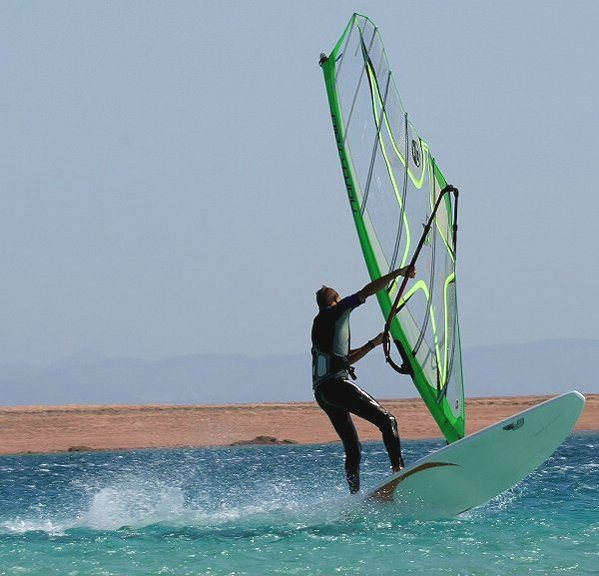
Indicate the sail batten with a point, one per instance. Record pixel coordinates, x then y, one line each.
404 211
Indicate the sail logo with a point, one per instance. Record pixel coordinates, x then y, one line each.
345 168
416 155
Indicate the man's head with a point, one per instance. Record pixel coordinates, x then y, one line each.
327 296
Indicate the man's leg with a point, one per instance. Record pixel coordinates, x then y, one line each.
344 426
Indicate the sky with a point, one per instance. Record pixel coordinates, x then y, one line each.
170 183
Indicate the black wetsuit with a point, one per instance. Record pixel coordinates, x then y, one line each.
338 396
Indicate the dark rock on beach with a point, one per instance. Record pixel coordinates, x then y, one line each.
262 441
80 449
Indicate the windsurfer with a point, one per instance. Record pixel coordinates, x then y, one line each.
332 375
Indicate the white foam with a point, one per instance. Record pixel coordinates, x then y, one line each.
131 504
136 500
22 526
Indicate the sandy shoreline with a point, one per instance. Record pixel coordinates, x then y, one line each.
45 429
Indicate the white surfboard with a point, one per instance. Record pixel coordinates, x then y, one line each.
476 468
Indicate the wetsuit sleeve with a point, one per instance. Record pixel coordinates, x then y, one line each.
350 302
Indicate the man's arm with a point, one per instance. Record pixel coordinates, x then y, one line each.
377 285
359 353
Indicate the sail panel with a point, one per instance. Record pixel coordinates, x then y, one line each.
393 184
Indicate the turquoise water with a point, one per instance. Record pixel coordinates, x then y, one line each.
281 510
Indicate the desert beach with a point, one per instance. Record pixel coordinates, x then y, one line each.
44 429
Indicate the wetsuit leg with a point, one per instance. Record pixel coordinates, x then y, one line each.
344 426
345 394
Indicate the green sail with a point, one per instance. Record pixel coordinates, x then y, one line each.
393 184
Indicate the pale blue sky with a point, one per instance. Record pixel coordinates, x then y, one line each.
170 183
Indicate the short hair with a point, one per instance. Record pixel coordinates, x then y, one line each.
322 296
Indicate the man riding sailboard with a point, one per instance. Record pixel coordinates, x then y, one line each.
332 374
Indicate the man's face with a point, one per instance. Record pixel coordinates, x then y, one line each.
333 297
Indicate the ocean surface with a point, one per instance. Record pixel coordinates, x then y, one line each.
282 510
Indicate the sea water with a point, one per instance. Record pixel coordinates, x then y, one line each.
282 510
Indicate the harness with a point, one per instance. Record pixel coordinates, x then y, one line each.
329 366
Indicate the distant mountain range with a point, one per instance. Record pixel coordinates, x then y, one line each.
544 367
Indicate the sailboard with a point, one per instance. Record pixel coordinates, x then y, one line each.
475 469
406 214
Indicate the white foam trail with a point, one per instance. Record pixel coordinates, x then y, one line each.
139 500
